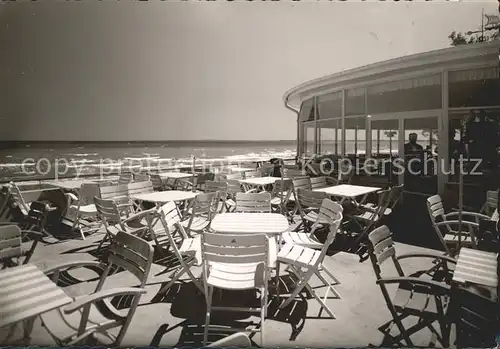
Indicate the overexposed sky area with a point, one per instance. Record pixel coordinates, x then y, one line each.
155 70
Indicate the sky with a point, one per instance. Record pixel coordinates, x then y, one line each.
123 71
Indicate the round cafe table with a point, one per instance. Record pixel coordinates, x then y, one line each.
271 224
250 223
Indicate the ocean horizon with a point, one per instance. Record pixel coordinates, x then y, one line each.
44 158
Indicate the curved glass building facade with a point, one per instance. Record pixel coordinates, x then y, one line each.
449 98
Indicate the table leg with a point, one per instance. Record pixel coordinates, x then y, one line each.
28 327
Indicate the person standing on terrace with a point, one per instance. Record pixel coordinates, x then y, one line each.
413 150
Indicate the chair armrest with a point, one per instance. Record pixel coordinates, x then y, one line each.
72 196
467 213
254 190
94 297
35 235
415 281
464 222
72 264
9 223
140 215
428 255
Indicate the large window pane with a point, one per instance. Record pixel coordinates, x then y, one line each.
329 136
330 105
355 102
355 135
385 135
405 95
307 110
308 139
474 87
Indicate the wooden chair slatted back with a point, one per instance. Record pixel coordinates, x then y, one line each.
235 249
87 192
435 208
157 181
125 178
318 182
252 174
141 178
135 188
253 202
10 241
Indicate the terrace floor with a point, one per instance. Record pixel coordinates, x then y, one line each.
176 319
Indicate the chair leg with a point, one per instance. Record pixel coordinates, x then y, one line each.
207 316
329 273
263 313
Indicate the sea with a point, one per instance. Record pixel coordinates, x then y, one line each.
47 160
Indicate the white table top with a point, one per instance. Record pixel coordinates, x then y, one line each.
175 174
25 292
347 190
477 267
165 196
260 180
251 223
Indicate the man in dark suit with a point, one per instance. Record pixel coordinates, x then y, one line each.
414 152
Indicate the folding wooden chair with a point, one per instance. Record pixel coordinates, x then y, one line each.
447 228
221 187
83 207
367 219
136 188
114 221
142 177
322 182
12 246
394 196
170 223
92 318
308 204
491 203
157 182
253 202
252 174
125 178
424 299
305 262
203 210
235 262
233 187
280 197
